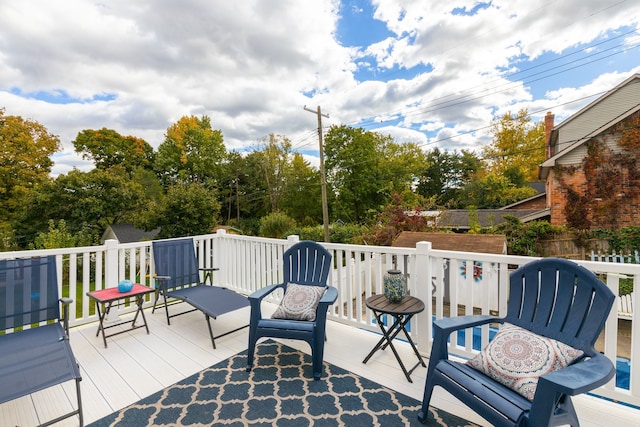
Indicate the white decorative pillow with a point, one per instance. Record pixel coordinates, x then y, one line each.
517 358
299 302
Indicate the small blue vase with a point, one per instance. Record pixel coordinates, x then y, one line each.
395 285
125 286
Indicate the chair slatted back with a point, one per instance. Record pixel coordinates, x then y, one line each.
176 259
307 263
28 291
559 299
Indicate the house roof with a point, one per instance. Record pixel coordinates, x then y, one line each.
608 116
127 233
515 205
459 218
483 243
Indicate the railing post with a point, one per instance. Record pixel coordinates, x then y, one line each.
424 292
292 240
111 272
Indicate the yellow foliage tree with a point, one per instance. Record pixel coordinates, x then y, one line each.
518 147
25 150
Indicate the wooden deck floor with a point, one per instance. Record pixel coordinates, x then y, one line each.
136 364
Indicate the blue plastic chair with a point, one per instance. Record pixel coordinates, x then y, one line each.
551 297
305 263
34 350
178 278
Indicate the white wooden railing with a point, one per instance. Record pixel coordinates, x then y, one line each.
473 282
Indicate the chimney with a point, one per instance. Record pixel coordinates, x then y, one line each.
548 126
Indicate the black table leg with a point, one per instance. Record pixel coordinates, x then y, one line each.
389 334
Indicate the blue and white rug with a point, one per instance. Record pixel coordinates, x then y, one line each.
279 391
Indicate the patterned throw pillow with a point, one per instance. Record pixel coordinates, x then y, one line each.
517 358
299 302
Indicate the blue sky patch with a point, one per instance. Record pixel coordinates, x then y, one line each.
576 66
358 28
60 96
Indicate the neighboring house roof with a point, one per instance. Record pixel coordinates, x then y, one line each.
459 218
524 202
611 108
127 233
483 243
539 186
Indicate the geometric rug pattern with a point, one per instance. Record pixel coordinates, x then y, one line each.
279 391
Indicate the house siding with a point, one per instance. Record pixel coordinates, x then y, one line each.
627 201
600 116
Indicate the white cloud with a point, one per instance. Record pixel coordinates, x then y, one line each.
252 65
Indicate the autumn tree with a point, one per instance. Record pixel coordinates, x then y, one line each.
25 161
191 152
106 148
518 145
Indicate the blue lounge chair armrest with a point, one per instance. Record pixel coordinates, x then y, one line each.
579 378
208 274
162 281
65 314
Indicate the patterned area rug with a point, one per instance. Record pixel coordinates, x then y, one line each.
279 391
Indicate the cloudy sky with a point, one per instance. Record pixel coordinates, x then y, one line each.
431 72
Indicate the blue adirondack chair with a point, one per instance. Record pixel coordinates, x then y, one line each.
553 298
305 263
178 278
38 356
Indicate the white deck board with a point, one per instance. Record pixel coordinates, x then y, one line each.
136 364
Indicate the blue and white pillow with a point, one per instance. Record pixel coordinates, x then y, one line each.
299 302
517 357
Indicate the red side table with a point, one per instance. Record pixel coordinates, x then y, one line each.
106 298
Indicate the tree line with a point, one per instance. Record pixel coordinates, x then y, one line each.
192 183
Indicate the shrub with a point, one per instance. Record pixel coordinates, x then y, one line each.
276 224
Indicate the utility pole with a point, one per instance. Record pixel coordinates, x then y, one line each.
323 179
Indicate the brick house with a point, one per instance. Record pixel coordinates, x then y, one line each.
592 171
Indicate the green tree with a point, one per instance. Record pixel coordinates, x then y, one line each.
189 209
25 161
59 236
517 144
402 164
254 194
191 152
93 199
273 156
302 198
107 148
446 173
492 191
364 168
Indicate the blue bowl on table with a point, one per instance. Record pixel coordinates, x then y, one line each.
125 286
